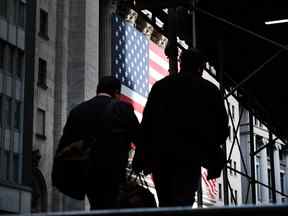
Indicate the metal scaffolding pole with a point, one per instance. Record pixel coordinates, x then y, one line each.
172 41
272 168
252 158
220 80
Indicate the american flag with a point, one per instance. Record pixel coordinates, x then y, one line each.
211 185
138 63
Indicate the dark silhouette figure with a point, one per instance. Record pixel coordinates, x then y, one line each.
114 126
184 123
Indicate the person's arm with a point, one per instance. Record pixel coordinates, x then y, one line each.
69 131
143 146
222 131
222 120
133 124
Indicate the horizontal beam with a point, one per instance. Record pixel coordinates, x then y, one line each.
269 210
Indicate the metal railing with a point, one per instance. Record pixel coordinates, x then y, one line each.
268 210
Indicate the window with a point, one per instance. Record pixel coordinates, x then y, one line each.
220 191
281 155
233 111
230 165
282 182
235 168
7 112
229 132
17 115
231 196
258 186
16 168
42 73
236 197
40 130
20 64
269 183
1 54
3 8
43 28
11 60
22 14
255 121
268 152
11 11
1 110
6 164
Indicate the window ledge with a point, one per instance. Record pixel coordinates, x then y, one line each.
43 36
41 136
42 85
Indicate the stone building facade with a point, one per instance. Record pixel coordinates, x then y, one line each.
15 192
66 73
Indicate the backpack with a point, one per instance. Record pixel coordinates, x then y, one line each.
71 168
72 164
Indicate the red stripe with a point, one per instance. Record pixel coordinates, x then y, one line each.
158 50
152 80
158 67
211 184
138 107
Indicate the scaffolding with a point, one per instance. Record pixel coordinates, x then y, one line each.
168 18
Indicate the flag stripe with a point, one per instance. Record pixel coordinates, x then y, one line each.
159 60
157 67
210 184
159 51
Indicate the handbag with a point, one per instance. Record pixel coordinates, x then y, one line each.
71 165
71 168
135 193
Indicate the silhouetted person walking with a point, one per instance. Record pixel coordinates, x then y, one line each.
114 126
183 122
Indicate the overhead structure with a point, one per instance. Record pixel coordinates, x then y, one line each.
250 51
247 44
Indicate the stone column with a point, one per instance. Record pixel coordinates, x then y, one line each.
76 49
105 55
277 173
60 100
264 176
91 48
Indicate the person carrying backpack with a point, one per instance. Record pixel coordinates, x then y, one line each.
100 129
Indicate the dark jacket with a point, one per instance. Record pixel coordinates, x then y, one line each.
114 126
89 119
183 118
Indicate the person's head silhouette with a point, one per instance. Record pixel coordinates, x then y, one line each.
109 85
192 61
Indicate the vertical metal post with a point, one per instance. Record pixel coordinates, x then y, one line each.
30 32
220 78
252 159
172 41
194 43
194 39
271 152
200 193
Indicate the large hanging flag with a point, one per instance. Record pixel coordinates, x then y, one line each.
211 185
137 62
